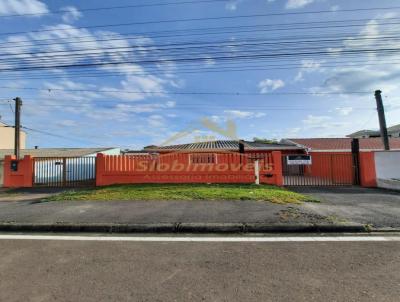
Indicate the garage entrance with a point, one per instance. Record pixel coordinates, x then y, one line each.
320 169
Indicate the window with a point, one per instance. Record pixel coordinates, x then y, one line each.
203 158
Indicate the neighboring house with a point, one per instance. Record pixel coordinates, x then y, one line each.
205 152
135 152
341 144
61 152
393 131
7 137
224 146
51 168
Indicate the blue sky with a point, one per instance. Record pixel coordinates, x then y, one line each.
138 103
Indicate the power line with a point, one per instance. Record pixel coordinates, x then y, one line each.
59 136
115 7
203 31
197 106
185 54
185 46
265 109
185 92
205 58
192 71
208 19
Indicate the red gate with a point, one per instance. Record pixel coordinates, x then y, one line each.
325 169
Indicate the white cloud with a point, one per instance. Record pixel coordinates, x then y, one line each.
146 86
232 4
308 66
243 114
209 61
141 108
322 125
156 121
335 8
10 7
375 72
67 123
292 132
344 110
71 14
293 4
316 120
269 85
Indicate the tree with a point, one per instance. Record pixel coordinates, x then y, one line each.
265 140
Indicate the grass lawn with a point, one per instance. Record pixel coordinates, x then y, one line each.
185 192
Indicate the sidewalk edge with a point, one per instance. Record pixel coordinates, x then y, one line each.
188 228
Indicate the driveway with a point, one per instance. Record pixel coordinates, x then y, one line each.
28 194
376 207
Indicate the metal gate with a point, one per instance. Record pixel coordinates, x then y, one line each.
64 171
323 170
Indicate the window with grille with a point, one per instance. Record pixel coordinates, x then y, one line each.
203 158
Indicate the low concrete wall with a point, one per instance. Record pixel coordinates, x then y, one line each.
387 165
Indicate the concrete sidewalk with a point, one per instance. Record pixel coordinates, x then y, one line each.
146 212
339 207
376 207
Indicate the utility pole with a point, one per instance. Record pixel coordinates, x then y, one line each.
17 128
382 119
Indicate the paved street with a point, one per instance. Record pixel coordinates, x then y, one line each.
65 270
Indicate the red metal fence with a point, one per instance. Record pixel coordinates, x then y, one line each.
326 169
187 168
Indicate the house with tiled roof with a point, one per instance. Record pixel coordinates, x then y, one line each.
224 146
341 144
393 131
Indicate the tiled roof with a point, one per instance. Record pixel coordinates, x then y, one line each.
54 152
344 144
222 145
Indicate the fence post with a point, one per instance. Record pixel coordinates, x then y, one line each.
100 168
277 164
367 170
257 172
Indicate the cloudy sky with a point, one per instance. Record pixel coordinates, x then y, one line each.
133 73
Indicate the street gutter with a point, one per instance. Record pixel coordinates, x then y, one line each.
164 228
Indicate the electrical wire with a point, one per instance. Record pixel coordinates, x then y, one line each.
203 31
208 19
63 11
185 92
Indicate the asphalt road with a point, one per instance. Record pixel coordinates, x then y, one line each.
42 270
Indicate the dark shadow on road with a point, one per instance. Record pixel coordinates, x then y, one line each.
343 190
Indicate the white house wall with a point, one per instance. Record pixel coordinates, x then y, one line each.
387 167
114 151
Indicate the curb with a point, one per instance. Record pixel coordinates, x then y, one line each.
187 228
